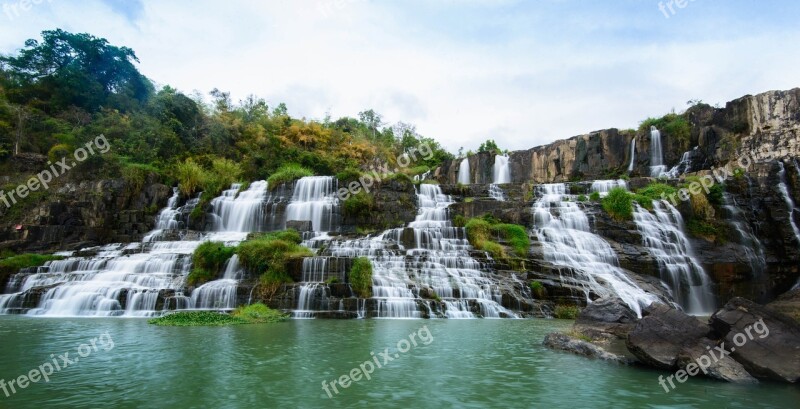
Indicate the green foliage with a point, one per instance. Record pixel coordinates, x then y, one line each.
459 220
348 175
361 277
516 236
288 173
136 174
259 313
481 232
701 228
538 290
190 177
594 196
252 314
657 191
13 263
269 254
581 198
671 124
619 204
196 319
358 205
59 151
489 146
207 262
643 201
566 312
715 194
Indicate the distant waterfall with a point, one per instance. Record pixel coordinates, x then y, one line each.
657 166
315 200
463 172
633 155
567 241
219 294
662 233
501 174
783 187
602 187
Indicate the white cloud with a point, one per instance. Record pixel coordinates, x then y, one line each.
484 70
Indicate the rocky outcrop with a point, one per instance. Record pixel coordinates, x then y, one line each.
765 342
84 214
661 335
564 342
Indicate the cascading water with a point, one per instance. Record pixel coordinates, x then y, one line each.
753 249
437 263
315 200
463 172
240 211
564 232
602 187
783 187
501 174
662 233
219 294
633 155
142 279
657 166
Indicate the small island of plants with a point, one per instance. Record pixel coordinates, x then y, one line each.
252 314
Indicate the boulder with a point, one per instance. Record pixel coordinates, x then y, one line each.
788 304
299 225
659 337
704 355
608 315
764 341
564 342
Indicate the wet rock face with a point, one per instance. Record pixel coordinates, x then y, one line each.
609 315
567 343
85 214
767 343
661 335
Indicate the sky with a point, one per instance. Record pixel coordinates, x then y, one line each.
524 73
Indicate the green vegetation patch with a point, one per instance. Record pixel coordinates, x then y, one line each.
672 124
361 277
359 204
207 261
566 312
619 204
252 314
14 263
483 233
268 254
288 173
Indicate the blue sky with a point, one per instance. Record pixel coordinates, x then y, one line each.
524 73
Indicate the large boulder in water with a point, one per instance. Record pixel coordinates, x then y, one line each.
764 341
788 304
660 336
608 314
564 342
713 363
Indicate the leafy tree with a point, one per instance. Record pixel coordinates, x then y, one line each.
489 146
67 69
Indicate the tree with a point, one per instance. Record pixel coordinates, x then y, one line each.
75 69
489 146
372 120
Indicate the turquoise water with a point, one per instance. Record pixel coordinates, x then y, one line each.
465 363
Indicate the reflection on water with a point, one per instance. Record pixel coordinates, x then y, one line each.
483 363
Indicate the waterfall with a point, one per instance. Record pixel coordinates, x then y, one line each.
434 259
219 294
501 174
662 233
604 186
657 166
684 165
463 172
240 211
753 249
633 155
567 241
146 278
783 187
315 200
